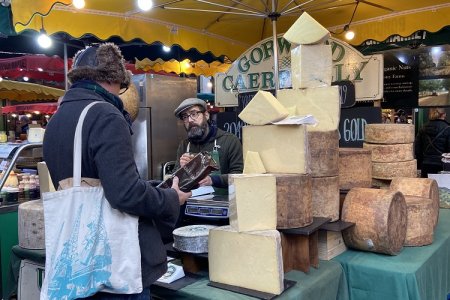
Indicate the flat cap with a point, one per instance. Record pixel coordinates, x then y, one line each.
187 103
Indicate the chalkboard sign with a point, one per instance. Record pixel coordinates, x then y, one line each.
352 124
346 93
229 122
401 80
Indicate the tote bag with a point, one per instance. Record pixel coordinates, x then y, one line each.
89 246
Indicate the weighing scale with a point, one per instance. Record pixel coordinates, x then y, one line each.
208 206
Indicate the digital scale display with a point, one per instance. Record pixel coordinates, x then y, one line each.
207 208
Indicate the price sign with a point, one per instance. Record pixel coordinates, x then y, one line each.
353 122
346 93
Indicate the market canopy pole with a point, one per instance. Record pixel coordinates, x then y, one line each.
274 16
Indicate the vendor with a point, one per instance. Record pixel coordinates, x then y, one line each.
203 135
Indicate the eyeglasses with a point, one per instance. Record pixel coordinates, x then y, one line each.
193 115
123 90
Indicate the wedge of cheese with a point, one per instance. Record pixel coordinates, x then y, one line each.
263 109
323 103
306 30
253 163
251 260
283 149
311 66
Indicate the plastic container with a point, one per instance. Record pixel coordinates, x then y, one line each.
11 195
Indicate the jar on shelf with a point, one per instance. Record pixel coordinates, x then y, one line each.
3 137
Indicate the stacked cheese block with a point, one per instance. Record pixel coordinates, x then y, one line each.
392 151
31 225
248 253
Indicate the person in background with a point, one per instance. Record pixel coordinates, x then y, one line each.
24 122
203 135
432 140
98 74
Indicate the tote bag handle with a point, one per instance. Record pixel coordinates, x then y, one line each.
77 143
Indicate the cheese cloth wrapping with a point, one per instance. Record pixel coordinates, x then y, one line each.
195 170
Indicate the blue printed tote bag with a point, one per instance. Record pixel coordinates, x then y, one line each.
90 246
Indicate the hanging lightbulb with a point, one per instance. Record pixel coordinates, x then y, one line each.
349 34
78 4
44 40
166 48
209 84
26 78
145 5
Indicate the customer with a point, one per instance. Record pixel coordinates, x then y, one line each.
432 140
98 74
203 135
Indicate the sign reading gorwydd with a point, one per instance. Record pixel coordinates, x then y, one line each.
253 71
352 123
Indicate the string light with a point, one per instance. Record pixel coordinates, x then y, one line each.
145 5
166 48
78 4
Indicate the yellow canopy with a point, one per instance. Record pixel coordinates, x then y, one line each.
234 26
23 91
185 66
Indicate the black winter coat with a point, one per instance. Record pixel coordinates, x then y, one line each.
108 155
432 140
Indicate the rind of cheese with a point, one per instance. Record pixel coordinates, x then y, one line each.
390 152
31 225
419 230
251 260
253 202
355 168
253 163
394 169
389 133
283 149
325 197
306 30
263 109
311 66
323 103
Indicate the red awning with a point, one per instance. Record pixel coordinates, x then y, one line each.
45 108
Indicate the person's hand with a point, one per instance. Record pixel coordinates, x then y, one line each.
182 196
205 181
185 158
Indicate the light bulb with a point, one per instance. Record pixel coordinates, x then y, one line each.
1 79
209 84
349 35
166 48
44 40
79 4
145 5
25 78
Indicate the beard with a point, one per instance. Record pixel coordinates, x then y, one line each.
196 133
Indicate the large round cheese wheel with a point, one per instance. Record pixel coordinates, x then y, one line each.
419 231
192 238
324 150
31 225
390 152
355 168
389 133
130 101
325 197
380 218
394 169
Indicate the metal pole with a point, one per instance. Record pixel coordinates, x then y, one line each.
275 46
66 68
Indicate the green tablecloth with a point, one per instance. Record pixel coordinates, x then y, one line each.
416 273
325 283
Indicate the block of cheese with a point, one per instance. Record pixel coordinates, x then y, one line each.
325 197
283 149
389 133
420 187
323 103
253 202
192 238
251 260
419 231
306 30
355 168
294 200
311 66
390 152
31 225
263 109
394 169
253 163
324 149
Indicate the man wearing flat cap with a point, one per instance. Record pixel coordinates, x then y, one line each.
98 74
203 135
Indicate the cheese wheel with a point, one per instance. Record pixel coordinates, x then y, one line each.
394 169
325 197
294 200
419 231
192 238
355 168
31 225
420 187
381 183
324 149
390 152
380 218
389 133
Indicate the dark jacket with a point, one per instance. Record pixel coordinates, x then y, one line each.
432 140
108 155
230 154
